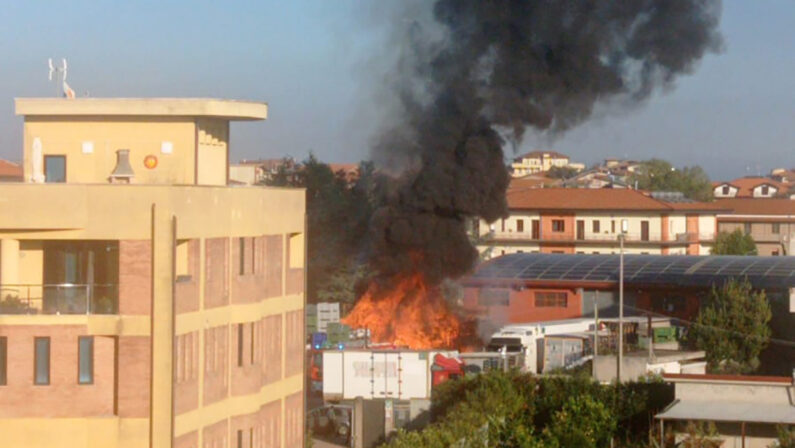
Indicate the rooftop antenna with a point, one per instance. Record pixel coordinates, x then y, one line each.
67 91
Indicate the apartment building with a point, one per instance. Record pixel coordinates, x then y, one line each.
540 161
589 221
770 222
144 301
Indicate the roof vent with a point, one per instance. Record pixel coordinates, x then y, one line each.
123 172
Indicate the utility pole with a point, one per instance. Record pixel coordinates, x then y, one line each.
595 331
620 357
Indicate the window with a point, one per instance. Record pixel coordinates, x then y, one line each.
3 360
765 190
242 256
239 344
494 297
551 300
558 225
54 169
725 190
774 253
747 228
595 226
41 361
239 438
613 226
253 338
520 225
775 227
85 360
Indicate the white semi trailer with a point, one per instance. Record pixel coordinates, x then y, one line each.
395 374
528 340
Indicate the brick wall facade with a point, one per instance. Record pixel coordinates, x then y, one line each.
135 277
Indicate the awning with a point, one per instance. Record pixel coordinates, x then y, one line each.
723 411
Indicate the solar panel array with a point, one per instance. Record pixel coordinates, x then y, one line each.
670 270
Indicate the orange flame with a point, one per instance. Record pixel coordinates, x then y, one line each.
411 314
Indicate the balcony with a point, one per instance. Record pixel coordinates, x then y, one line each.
601 238
59 299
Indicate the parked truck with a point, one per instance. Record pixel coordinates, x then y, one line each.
391 374
531 346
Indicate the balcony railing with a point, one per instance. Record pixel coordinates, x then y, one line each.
65 298
602 237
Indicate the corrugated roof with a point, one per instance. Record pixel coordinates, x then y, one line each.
727 411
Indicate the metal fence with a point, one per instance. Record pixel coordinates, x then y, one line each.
64 298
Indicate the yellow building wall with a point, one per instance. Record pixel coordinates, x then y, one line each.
213 150
142 136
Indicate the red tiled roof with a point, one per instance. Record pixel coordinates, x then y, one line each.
593 199
746 185
10 169
758 206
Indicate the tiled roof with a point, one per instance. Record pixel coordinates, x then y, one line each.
746 185
759 206
593 199
10 170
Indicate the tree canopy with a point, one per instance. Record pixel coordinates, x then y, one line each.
733 328
512 409
660 175
338 215
734 243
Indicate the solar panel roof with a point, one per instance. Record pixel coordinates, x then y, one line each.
670 270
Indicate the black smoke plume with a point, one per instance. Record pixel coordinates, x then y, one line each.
498 68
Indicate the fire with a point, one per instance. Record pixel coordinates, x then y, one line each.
411 313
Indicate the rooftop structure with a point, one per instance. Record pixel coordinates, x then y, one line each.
540 161
750 187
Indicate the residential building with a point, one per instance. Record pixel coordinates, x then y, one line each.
575 220
10 171
770 222
539 161
746 410
144 301
749 187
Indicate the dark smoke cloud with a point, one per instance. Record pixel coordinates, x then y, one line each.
499 68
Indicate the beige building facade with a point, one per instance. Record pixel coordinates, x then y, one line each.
145 302
770 222
589 221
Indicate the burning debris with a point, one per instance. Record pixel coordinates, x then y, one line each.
501 66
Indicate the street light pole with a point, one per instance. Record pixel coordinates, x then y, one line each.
620 359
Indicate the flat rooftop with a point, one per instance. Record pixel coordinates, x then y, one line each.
142 107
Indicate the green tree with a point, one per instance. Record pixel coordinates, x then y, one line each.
660 175
734 243
733 328
582 422
786 437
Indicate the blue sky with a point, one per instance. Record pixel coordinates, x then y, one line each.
319 64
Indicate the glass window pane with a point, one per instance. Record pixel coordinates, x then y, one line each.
85 360
42 361
55 168
3 360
